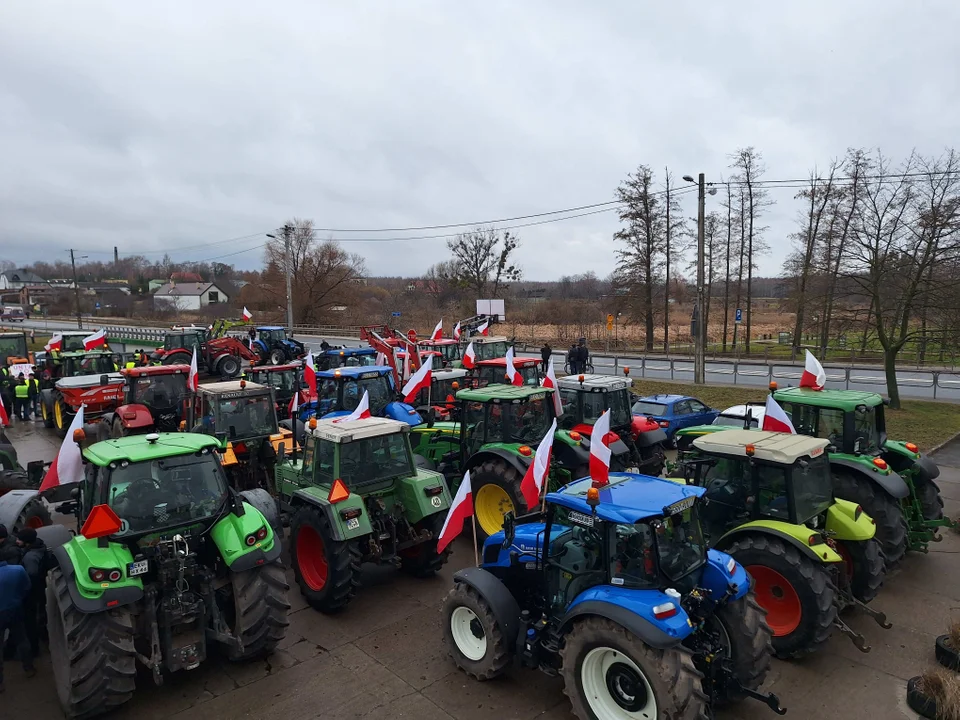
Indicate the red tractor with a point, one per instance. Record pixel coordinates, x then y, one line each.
154 400
98 394
221 356
494 372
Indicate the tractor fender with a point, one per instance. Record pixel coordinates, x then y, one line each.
403 412
12 504
648 438
317 497
512 459
54 536
295 426
796 535
134 416
570 454
901 459
502 603
626 618
264 502
110 597
844 523
230 533
891 483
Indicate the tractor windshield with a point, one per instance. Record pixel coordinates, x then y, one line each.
366 360
184 341
246 417
162 392
378 392
812 487
71 343
13 346
526 421
448 351
375 460
596 403
491 350
278 335
633 556
89 365
441 390
150 496
866 429
680 545
282 380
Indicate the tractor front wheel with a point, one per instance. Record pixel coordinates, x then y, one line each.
93 658
46 413
747 640
61 416
885 511
928 493
423 560
610 673
862 569
228 366
257 611
796 593
327 570
474 638
496 491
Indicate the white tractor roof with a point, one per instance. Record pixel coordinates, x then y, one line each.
775 447
449 374
230 386
483 339
350 430
592 382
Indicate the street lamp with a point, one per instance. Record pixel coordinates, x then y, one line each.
286 267
699 340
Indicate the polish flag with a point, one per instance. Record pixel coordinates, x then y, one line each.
420 380
599 452
98 339
482 329
536 476
461 509
406 365
67 466
438 331
381 359
56 342
513 376
813 375
4 418
247 315
193 379
550 381
469 357
294 404
775 419
362 411
310 375
456 331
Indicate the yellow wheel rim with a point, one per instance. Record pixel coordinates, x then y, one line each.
58 414
490 505
43 411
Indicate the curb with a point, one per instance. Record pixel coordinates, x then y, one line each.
938 448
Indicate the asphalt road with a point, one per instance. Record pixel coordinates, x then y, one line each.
384 658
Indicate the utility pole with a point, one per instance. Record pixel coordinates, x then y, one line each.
76 289
288 267
700 336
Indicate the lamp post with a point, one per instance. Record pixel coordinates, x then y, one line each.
699 340
76 287
287 271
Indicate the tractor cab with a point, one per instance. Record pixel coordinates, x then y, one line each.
494 372
72 340
182 339
337 357
340 391
155 399
54 366
275 347
490 348
13 348
447 349
284 379
442 396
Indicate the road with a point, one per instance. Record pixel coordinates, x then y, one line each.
383 658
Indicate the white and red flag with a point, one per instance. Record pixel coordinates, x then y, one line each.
361 412
482 329
513 376
550 381
310 375
193 379
775 419
813 375
469 357
294 405
460 510
56 343
536 476
599 452
456 331
438 331
419 381
247 315
4 417
67 466
381 358
97 339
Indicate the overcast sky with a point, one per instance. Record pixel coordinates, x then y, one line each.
183 124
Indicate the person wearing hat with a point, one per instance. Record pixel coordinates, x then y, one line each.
8 547
15 588
34 561
21 398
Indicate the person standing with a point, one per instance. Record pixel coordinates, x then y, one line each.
21 398
545 352
33 392
34 561
14 590
33 336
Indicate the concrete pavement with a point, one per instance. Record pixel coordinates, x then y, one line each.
383 657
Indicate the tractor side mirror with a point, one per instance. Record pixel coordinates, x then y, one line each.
509 529
104 380
281 453
431 417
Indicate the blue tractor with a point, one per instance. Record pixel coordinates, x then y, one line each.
335 357
340 391
275 348
624 600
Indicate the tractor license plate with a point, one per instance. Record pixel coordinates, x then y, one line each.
353 524
138 568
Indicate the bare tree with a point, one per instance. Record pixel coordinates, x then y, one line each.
483 260
675 228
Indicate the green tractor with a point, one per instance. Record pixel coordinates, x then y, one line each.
355 495
168 560
891 479
769 503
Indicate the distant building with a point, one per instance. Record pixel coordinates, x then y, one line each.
18 278
189 295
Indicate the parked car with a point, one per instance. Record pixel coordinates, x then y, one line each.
673 412
12 313
736 416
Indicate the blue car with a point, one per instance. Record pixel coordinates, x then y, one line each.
674 412
340 391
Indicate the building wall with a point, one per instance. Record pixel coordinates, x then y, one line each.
219 294
184 302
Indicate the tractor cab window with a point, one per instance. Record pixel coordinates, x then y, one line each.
618 401
377 388
325 453
526 421
282 381
185 341
576 558
159 391
728 483
491 350
374 460
450 351
594 405
278 335
772 491
14 347
150 496
474 424
71 343
364 360
830 425
812 487
570 399
92 365
866 429
246 416
680 545
530 375
633 561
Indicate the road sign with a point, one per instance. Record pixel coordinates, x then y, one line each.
609 322
395 314
739 318
97 306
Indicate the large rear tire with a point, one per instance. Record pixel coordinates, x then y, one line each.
496 491
609 673
62 416
796 593
258 614
327 570
474 638
748 640
46 413
423 560
13 480
886 512
228 366
34 515
278 356
863 568
177 358
92 654
928 493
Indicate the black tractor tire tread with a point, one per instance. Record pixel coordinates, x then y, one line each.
260 595
46 414
427 562
886 512
343 562
815 580
64 413
178 358
751 637
868 569
98 653
501 473
655 463
222 360
671 673
928 493
498 658
13 480
34 508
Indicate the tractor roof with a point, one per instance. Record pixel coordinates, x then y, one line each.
628 498
148 370
502 362
448 374
783 448
137 448
85 353
846 400
593 383
348 351
356 372
483 339
270 327
15 333
441 341
231 386
350 430
71 333
501 393
277 368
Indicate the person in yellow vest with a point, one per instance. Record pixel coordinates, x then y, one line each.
21 398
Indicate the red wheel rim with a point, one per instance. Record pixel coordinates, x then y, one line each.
776 595
311 559
34 522
847 561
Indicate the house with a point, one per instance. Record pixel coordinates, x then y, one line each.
189 295
18 278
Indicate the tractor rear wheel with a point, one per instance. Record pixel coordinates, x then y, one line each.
13 480
496 491
885 511
34 515
61 416
278 356
118 430
228 366
747 638
928 492
177 358
610 673
257 610
423 560
327 570
862 572
47 414
474 638
796 593
93 658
